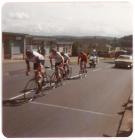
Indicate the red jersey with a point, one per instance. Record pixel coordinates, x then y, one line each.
82 57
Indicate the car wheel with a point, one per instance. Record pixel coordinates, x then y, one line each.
130 67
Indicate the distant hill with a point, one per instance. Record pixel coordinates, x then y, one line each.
90 41
76 38
129 37
126 41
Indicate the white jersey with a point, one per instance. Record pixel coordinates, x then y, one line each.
36 56
58 57
66 57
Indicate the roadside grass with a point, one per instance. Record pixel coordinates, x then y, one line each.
73 60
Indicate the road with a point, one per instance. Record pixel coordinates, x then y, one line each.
88 107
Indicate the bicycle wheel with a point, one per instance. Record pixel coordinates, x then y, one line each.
47 81
82 72
31 87
69 73
54 80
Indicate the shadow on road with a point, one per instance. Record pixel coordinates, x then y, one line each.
20 101
121 134
124 133
15 102
23 99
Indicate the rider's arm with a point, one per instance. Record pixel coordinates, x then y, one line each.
86 58
62 58
28 66
78 59
50 57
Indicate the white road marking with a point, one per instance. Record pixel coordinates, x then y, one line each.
75 109
26 93
20 95
75 76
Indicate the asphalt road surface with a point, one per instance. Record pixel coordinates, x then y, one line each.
88 107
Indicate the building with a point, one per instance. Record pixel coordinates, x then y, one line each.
65 47
35 43
15 45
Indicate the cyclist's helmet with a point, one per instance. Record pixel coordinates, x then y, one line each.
53 50
29 52
81 53
94 50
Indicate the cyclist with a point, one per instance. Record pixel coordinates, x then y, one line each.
95 55
82 60
66 61
38 65
94 52
59 61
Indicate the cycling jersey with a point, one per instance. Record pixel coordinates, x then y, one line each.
66 57
37 60
82 57
36 57
58 57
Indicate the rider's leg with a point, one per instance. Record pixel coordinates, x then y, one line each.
85 67
57 70
62 71
67 65
81 67
40 76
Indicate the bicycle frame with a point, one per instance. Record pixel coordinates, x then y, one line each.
57 76
37 82
83 69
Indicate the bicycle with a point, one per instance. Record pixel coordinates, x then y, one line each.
67 72
57 76
36 84
83 70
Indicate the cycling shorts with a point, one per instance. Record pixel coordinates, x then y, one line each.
37 65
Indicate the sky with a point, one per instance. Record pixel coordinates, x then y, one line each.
73 18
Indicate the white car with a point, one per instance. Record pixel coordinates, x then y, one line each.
124 61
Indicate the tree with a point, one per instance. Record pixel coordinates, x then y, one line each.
76 48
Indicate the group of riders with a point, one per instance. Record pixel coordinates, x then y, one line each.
62 61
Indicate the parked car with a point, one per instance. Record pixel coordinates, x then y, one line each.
121 52
124 61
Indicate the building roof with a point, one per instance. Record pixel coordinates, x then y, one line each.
65 43
13 33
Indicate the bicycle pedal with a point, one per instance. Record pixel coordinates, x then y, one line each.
30 100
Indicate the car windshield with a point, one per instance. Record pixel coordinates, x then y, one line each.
124 57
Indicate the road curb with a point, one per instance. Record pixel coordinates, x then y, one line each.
126 125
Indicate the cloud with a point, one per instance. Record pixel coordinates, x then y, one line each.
104 18
18 16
